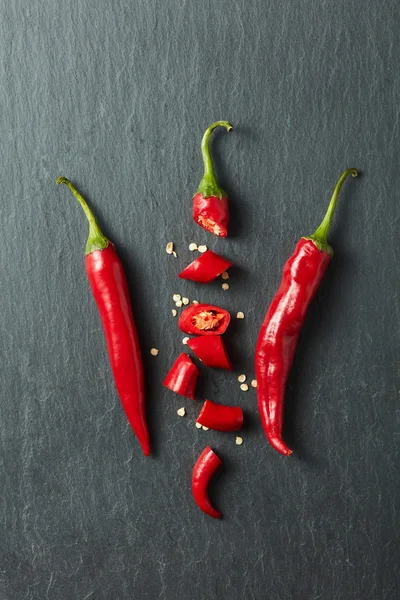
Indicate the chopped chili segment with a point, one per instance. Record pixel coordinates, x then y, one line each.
204 319
182 377
205 268
211 351
220 417
204 468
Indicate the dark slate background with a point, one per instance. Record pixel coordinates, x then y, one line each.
116 95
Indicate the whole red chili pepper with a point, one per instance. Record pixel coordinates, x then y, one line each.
182 377
211 351
280 330
205 268
204 319
220 417
110 290
210 203
206 465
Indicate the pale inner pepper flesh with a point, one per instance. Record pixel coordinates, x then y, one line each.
210 225
207 320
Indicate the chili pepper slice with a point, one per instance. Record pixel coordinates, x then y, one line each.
205 467
205 268
110 290
204 319
210 203
211 351
182 377
220 417
280 330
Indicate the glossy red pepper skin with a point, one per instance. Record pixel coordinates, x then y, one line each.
193 313
220 417
205 268
182 377
206 465
211 351
212 214
302 275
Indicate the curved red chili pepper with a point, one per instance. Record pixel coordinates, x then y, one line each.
210 203
211 351
206 465
182 377
280 330
220 417
204 319
205 268
110 290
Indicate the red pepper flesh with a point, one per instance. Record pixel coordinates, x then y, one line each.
110 290
210 203
182 377
204 319
211 351
281 328
206 465
220 417
205 268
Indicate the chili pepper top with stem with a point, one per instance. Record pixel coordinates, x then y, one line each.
210 203
281 328
110 290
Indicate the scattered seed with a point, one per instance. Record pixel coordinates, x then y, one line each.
175 254
244 387
154 351
225 286
176 297
185 301
239 440
254 383
192 247
225 275
204 428
181 411
178 303
195 302
202 249
198 425
169 248
240 315
174 312
185 340
242 378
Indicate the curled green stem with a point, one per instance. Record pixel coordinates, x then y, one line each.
208 184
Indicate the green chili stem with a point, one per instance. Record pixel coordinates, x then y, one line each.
208 185
96 239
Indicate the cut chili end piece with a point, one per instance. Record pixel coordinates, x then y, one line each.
204 319
220 417
182 377
204 468
211 351
205 268
211 213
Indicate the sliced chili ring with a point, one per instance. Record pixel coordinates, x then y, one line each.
182 377
204 319
211 351
205 268
220 417
204 468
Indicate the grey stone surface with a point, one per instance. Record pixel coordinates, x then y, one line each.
115 96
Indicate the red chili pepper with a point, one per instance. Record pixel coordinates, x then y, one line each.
182 377
220 417
205 268
210 203
204 319
211 351
110 290
279 333
206 465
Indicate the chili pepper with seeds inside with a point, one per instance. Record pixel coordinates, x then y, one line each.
204 319
281 328
220 417
205 268
204 468
182 377
210 203
211 351
110 290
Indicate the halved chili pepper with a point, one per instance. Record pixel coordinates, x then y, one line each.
182 377
205 268
280 330
206 465
220 417
211 351
210 203
110 290
204 319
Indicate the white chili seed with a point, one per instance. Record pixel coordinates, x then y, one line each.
154 351
169 248
244 387
242 378
181 411
225 275
225 286
239 440
240 315
175 254
176 297
195 302
202 249
178 303
174 312
185 301
185 340
198 425
192 247
204 428
254 383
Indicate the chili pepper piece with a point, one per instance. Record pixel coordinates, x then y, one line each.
219 417
204 319
204 468
211 351
110 290
210 203
205 268
281 328
182 377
